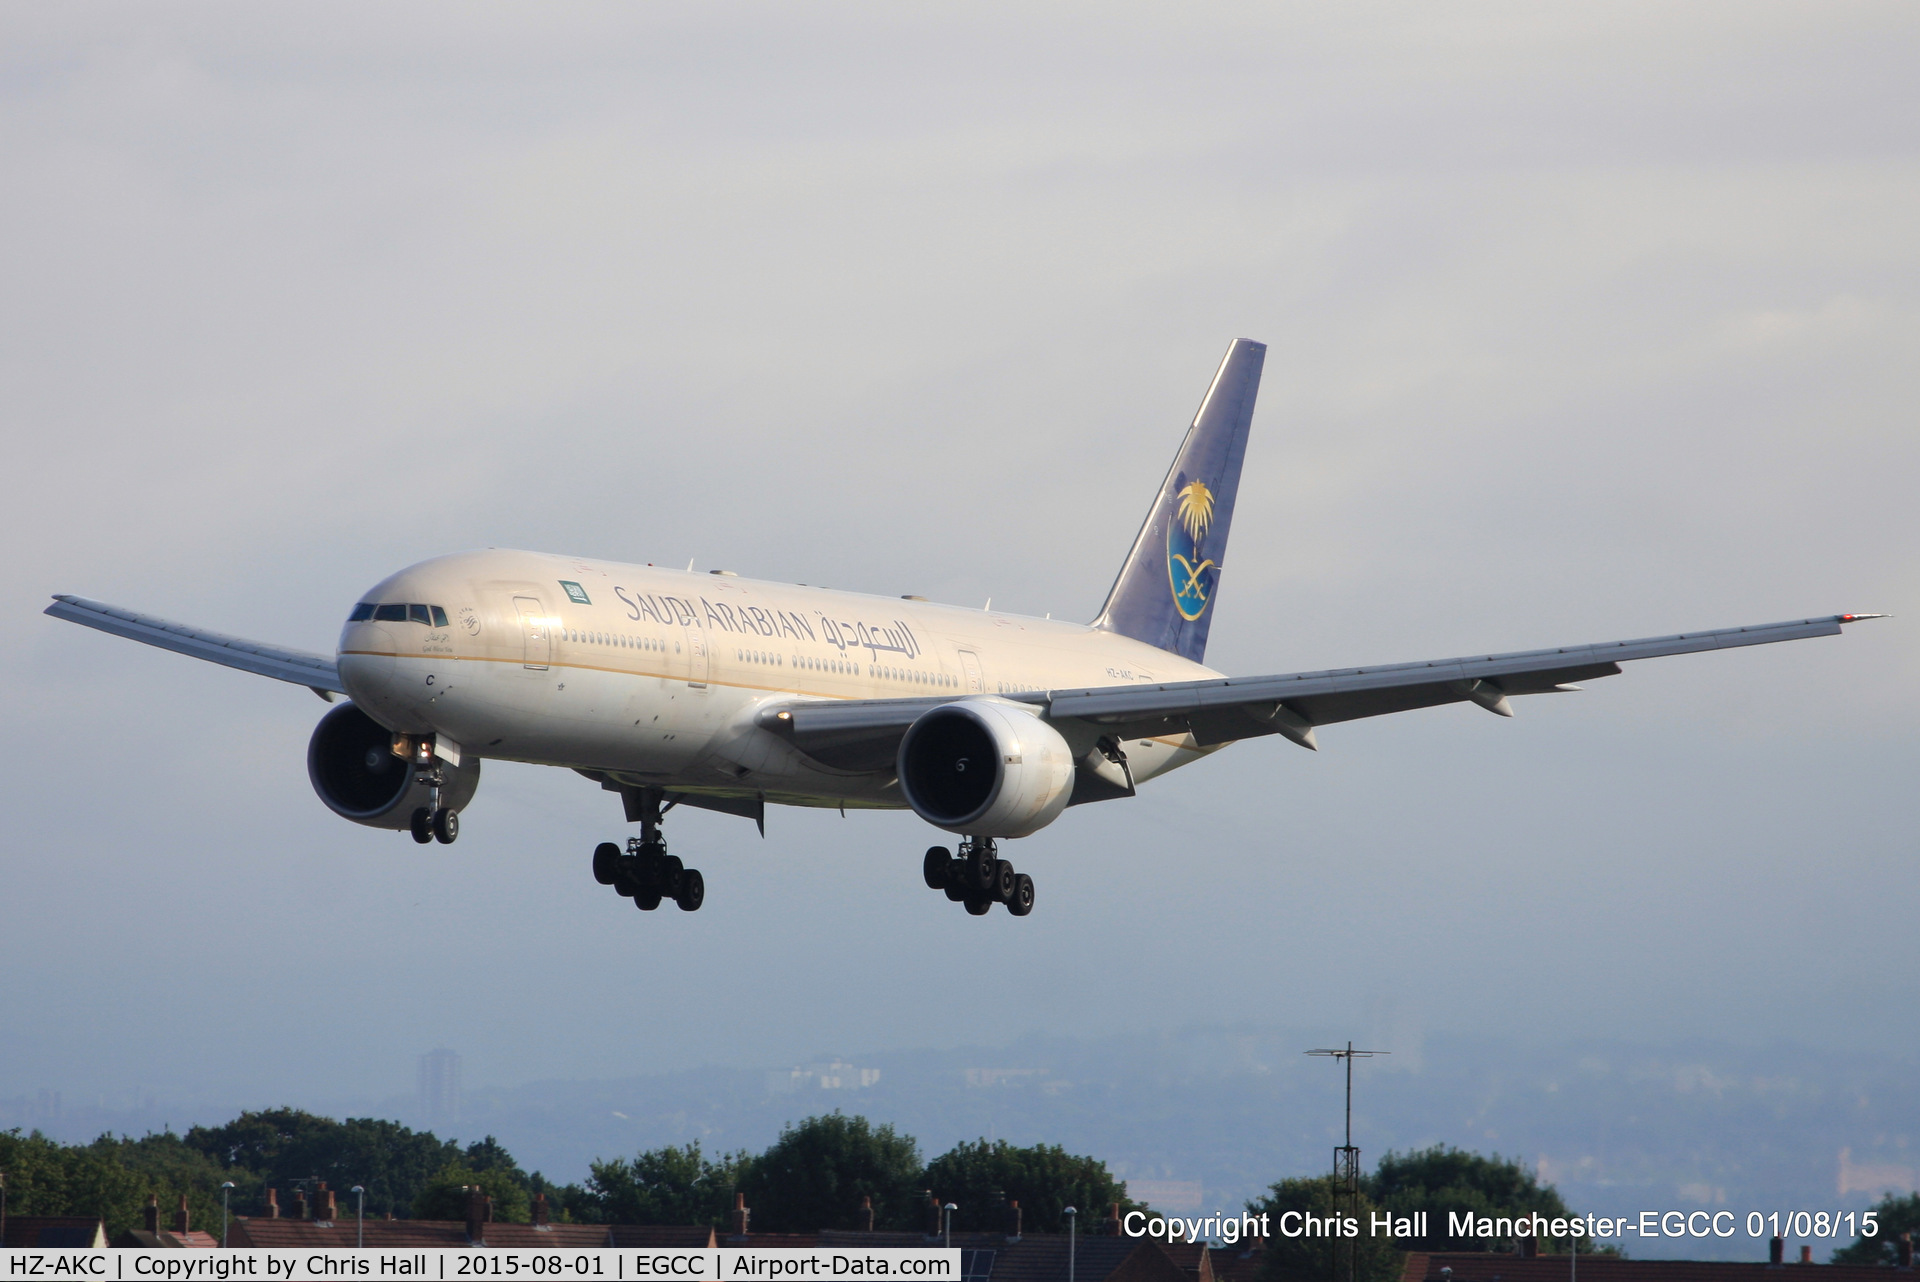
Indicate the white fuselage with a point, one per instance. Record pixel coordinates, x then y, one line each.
654 676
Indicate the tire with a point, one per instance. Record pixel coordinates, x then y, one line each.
626 878
934 867
983 870
422 826
1004 880
647 902
668 872
693 891
446 827
1022 902
956 893
978 907
606 863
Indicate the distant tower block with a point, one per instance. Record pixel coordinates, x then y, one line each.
439 1087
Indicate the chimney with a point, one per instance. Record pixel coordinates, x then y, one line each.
1903 1248
741 1215
1013 1220
1806 1254
1776 1251
933 1215
299 1204
1111 1225
151 1216
180 1216
476 1214
273 1204
324 1206
864 1220
540 1209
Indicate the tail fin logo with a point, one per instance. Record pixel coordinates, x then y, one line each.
1191 575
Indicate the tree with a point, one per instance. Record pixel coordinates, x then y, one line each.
285 1146
1319 1257
668 1185
980 1177
1442 1179
816 1173
111 1178
444 1196
1896 1215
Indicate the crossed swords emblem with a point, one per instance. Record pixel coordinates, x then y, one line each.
1193 573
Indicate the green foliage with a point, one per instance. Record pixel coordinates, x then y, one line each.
1442 1179
111 1178
980 1177
818 1170
1897 1215
285 1146
670 1185
1316 1258
444 1197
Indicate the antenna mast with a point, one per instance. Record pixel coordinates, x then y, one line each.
1346 1162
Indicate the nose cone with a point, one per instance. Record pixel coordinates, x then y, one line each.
366 660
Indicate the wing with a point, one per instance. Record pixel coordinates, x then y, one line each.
864 734
315 671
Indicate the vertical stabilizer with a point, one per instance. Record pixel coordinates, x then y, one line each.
1166 589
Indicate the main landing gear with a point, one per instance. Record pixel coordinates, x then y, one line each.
434 822
978 877
644 872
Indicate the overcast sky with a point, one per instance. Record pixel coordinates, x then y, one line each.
1585 322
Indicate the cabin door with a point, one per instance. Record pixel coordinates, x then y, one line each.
970 664
536 632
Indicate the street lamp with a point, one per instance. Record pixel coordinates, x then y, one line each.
950 1208
1073 1221
225 1191
360 1224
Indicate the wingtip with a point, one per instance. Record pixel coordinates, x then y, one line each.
1855 618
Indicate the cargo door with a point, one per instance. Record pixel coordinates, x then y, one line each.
536 632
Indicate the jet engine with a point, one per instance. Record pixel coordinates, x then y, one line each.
984 768
351 763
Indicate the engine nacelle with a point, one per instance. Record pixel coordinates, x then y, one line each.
351 763
985 768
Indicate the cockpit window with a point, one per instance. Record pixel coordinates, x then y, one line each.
439 617
418 613
391 614
361 613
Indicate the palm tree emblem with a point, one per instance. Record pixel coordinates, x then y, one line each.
1196 509
1191 581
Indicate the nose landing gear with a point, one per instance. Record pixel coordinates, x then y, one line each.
644 872
978 877
432 822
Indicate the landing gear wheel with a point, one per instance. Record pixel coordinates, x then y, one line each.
627 881
956 893
446 826
978 907
422 825
982 868
934 867
606 863
668 873
646 903
693 891
1022 902
1004 881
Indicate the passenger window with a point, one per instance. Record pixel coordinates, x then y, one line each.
391 614
361 613
419 614
439 616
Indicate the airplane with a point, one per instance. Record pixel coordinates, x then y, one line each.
724 693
